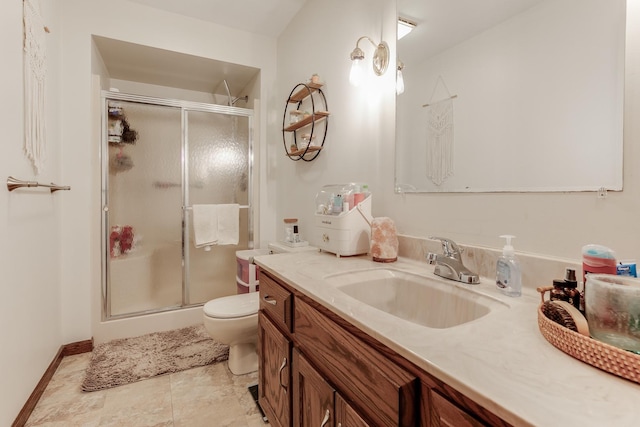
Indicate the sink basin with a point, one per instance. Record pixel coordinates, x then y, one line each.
427 301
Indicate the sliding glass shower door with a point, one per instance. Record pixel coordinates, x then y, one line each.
218 173
159 158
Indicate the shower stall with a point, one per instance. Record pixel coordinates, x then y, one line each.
159 158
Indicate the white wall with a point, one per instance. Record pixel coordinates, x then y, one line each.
360 129
30 257
139 24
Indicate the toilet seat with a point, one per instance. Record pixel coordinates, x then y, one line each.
233 306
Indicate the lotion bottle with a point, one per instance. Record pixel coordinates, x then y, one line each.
508 272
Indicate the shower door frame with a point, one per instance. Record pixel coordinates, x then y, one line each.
185 107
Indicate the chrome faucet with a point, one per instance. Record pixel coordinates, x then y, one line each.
449 265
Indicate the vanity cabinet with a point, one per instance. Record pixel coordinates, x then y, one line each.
317 369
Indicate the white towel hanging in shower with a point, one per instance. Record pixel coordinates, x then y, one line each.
228 224
216 225
205 225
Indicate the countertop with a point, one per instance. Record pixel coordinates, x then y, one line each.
501 360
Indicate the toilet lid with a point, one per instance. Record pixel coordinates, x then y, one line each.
233 306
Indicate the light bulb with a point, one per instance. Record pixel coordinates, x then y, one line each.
356 74
399 82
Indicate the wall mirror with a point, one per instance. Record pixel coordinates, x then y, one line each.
511 96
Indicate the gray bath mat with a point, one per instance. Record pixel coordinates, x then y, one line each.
128 360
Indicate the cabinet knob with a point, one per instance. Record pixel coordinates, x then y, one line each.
269 301
325 420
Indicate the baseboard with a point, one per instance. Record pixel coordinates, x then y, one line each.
79 347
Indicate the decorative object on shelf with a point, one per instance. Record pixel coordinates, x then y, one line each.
35 71
380 60
306 109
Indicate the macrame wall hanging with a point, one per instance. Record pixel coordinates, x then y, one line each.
35 70
440 135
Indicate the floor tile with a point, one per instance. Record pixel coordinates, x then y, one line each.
205 396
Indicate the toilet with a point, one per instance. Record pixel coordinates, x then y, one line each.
233 320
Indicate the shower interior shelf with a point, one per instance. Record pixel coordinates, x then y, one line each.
304 132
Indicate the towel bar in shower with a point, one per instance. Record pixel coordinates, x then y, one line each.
191 207
13 183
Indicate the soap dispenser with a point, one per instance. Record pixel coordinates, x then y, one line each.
508 272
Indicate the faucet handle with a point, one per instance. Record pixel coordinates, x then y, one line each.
450 248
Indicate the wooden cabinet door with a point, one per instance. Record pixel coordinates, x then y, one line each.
346 415
445 414
274 351
313 397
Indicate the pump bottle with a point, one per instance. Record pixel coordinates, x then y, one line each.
508 272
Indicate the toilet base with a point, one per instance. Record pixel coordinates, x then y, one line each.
243 358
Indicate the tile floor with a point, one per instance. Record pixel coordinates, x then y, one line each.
208 396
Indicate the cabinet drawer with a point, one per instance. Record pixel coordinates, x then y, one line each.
276 301
446 414
376 385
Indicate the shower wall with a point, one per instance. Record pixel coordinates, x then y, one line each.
146 192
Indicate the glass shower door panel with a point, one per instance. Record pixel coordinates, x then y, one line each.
218 173
145 209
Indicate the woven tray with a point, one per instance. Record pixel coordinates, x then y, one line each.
603 356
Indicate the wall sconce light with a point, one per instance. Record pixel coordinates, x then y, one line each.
380 61
405 27
400 78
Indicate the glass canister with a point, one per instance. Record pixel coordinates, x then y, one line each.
291 234
613 310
